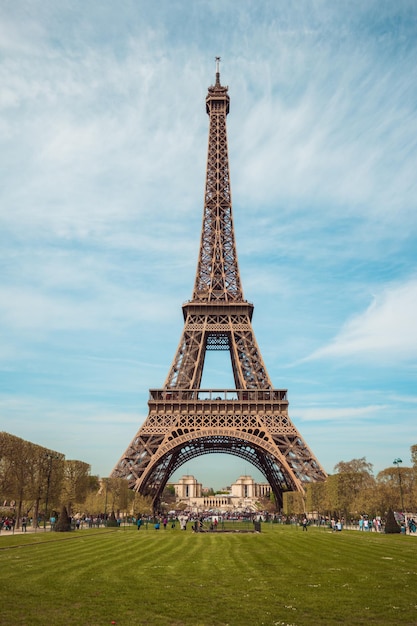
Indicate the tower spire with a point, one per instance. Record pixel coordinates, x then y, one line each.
218 71
217 277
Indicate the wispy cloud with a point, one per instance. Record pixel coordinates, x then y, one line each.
387 329
336 413
103 137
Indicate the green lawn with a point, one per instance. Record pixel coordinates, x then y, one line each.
282 576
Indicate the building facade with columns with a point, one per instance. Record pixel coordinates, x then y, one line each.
243 495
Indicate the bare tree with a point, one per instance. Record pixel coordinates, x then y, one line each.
75 484
26 474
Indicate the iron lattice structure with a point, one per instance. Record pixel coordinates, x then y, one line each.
250 421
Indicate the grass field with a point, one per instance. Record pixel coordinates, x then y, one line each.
281 576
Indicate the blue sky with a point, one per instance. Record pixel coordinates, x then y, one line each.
103 139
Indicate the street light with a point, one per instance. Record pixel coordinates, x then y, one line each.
397 464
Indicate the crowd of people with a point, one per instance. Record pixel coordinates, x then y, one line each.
208 521
7 523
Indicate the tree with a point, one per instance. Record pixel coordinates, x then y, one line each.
267 503
76 483
17 462
94 502
372 500
414 488
389 477
293 503
142 504
317 498
118 496
355 466
168 495
414 455
112 521
353 477
47 480
28 474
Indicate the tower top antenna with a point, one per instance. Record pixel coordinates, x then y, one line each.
217 70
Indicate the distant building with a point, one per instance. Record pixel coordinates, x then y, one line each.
242 495
186 488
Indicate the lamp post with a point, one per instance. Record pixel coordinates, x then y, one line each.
397 464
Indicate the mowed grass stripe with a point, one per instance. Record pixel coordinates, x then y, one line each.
351 567
281 576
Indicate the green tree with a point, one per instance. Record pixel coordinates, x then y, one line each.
317 500
118 496
168 495
75 484
390 478
293 503
267 503
142 504
353 478
94 503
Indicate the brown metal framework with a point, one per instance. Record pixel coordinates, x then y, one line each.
250 421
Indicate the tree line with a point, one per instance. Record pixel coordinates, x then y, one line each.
353 491
36 481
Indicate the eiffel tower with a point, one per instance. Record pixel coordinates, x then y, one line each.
250 421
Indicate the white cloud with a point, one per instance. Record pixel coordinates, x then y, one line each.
103 137
386 330
338 146
26 308
336 413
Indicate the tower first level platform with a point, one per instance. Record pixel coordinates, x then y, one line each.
249 423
